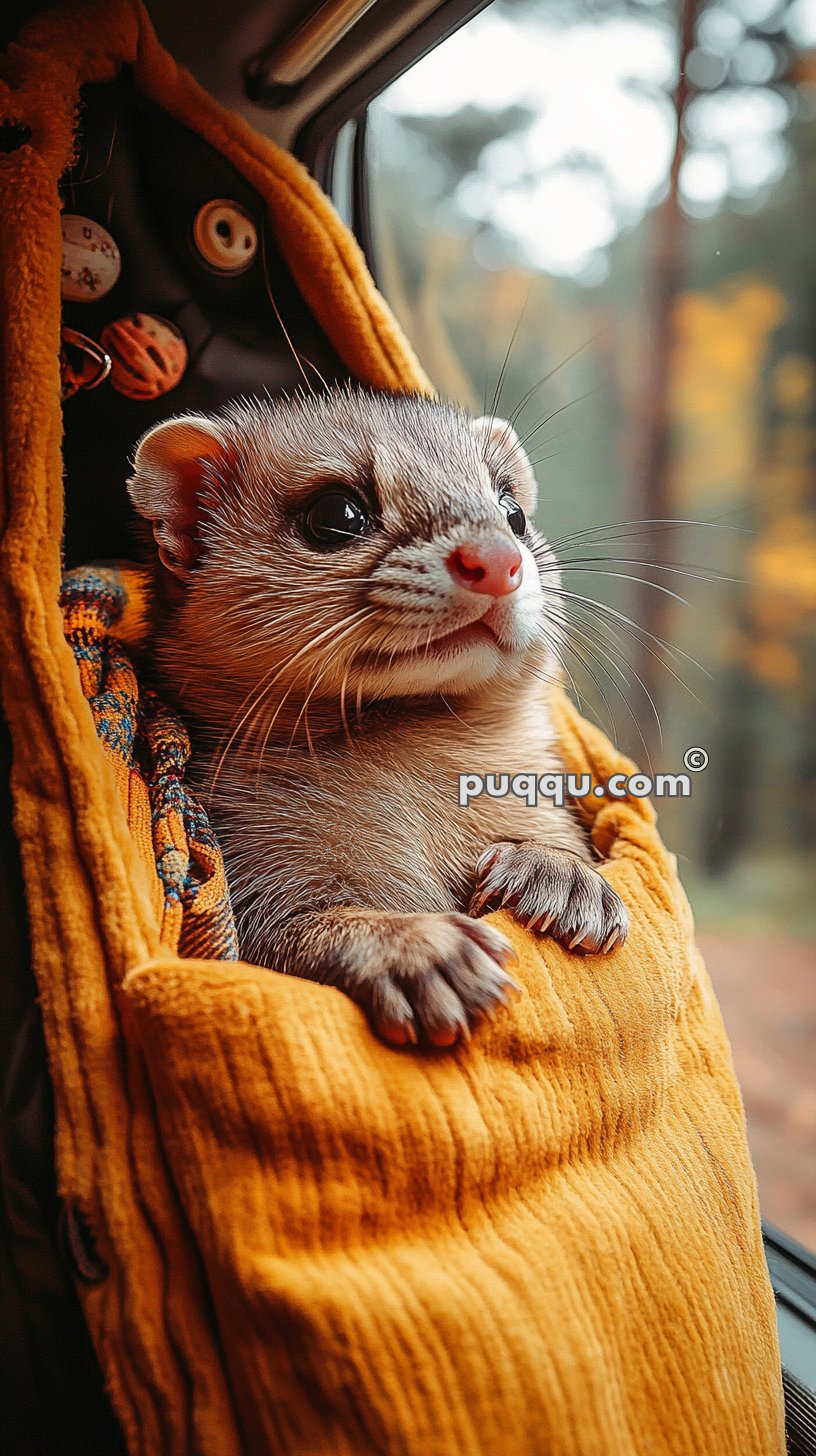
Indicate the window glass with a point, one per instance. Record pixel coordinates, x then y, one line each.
609 208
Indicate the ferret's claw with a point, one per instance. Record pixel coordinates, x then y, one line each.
434 978
552 890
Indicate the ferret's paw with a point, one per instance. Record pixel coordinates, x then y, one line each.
433 978
552 892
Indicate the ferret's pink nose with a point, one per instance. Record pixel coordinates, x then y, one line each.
494 568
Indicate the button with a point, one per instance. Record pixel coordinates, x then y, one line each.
225 236
13 135
148 355
83 365
90 259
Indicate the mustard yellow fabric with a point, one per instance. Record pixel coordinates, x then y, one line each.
545 1244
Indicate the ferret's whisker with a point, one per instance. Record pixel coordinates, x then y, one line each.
304 715
678 568
494 405
573 627
640 526
278 315
553 413
262 694
337 633
273 720
628 624
337 637
539 384
313 366
343 717
456 715
641 580
555 643
569 644
599 611
620 656
252 698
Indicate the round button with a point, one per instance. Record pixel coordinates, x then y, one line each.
90 259
148 355
225 236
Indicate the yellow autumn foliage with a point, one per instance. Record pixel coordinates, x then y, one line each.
720 346
784 563
794 383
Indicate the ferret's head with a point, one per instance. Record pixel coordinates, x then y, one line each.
350 543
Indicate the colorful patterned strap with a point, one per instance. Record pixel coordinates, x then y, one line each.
147 739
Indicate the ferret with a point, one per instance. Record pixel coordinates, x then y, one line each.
354 607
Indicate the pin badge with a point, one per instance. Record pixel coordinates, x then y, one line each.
148 354
225 236
90 259
83 365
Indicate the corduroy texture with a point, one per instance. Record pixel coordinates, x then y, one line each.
546 1244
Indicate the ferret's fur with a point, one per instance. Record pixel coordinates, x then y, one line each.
328 735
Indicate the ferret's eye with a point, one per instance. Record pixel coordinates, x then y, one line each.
516 519
335 518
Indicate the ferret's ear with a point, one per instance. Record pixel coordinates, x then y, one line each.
171 465
505 455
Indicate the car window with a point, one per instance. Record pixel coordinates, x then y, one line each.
602 216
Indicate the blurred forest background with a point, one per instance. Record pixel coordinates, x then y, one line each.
619 200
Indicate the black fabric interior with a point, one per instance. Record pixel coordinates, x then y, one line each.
143 176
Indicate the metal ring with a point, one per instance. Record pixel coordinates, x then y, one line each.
72 381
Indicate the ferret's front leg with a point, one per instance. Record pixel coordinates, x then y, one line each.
419 977
552 891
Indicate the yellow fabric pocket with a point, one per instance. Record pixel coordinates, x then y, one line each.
539 1243
546 1242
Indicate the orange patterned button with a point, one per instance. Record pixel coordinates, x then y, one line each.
148 355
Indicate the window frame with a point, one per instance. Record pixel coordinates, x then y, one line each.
316 141
793 1277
